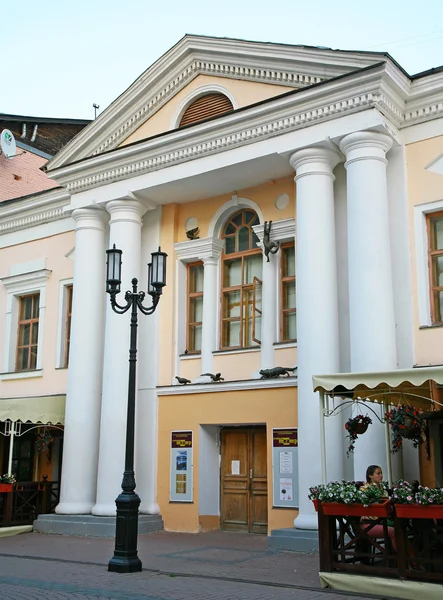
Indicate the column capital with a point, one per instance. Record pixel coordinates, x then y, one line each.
364 145
201 249
126 210
314 161
89 218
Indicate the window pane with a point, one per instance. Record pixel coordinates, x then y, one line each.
290 326
230 228
437 269
196 310
26 308
230 245
289 261
238 218
243 239
249 216
196 275
289 294
437 234
36 306
33 363
195 338
22 359
24 335
232 272
252 267
231 334
34 333
231 305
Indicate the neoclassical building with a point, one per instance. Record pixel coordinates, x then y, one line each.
298 194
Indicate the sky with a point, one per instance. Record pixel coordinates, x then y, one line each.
59 57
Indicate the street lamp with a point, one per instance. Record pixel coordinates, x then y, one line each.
125 559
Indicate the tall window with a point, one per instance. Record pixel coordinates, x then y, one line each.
195 307
27 333
69 290
241 282
435 262
288 326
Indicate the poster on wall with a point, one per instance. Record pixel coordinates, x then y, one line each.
181 466
285 467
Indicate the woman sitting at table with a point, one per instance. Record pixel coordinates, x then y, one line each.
374 476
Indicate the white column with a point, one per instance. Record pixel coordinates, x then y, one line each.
371 299
209 320
317 316
82 415
125 233
269 310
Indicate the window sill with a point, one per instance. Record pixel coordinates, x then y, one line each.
236 351
278 345
21 375
433 326
190 355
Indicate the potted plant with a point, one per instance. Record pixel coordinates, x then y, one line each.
6 483
342 498
406 422
420 502
356 426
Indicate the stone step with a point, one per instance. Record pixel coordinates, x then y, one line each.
91 525
297 540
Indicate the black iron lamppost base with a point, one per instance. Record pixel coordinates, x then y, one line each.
125 559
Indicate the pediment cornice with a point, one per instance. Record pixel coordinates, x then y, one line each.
291 66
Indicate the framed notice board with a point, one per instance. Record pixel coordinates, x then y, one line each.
181 466
285 467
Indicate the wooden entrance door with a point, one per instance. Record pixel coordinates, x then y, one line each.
244 484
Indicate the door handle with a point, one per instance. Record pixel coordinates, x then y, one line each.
250 473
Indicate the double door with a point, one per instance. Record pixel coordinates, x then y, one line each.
244 482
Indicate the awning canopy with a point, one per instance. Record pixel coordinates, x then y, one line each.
415 382
34 409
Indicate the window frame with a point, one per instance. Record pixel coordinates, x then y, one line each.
32 322
243 288
189 296
433 289
283 280
61 349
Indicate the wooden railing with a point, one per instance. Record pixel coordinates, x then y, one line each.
414 551
27 500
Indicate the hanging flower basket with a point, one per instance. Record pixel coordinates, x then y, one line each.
43 442
406 423
356 426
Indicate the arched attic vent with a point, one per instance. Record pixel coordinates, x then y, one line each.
209 105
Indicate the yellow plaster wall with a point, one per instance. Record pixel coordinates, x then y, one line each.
54 249
423 187
245 92
174 216
273 407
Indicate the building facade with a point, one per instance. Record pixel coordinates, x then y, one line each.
298 194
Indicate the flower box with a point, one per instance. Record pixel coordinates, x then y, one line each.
419 511
357 510
315 503
5 487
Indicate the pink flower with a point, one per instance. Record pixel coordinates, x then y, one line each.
409 498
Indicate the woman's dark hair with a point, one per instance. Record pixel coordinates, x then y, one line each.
370 471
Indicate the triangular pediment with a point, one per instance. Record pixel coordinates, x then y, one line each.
284 67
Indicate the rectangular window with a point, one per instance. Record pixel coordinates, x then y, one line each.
69 289
435 264
288 325
195 307
27 338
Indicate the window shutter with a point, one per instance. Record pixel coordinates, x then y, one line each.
205 107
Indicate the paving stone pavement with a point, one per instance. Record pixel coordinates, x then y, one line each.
215 566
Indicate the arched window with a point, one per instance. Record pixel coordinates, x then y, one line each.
209 105
241 282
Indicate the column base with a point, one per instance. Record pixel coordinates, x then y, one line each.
306 522
104 510
125 565
74 508
149 508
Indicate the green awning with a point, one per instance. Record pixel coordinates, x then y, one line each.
34 409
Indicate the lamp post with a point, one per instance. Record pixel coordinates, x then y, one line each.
125 559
